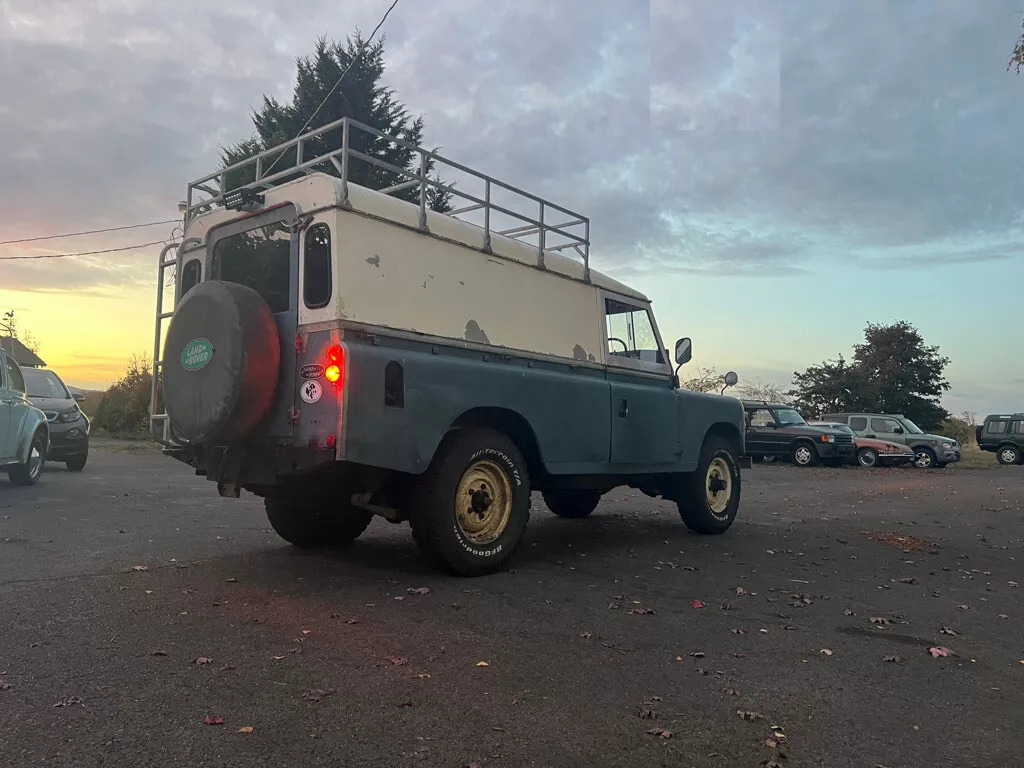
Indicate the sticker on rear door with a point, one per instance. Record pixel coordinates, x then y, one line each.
196 354
312 371
311 391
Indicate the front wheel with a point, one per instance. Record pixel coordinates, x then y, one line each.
474 502
30 471
309 521
867 457
924 458
805 455
1008 454
77 463
572 503
710 497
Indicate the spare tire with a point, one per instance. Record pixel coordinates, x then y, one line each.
220 363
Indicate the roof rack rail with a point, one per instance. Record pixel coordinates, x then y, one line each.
573 233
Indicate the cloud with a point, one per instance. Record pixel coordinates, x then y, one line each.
873 133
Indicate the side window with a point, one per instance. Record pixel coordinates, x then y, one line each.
190 275
630 332
15 379
762 417
858 423
316 282
996 428
883 425
1018 428
259 258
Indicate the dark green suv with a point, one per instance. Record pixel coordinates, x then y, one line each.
1003 435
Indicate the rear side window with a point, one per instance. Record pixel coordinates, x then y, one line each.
316 280
997 427
761 417
1018 428
15 380
190 275
858 423
260 259
884 425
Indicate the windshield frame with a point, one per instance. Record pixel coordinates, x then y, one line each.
30 373
910 426
780 422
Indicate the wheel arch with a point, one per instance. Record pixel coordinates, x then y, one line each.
511 424
34 423
728 431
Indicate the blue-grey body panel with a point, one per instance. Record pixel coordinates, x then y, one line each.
572 411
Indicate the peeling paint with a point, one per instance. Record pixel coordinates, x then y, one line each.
475 333
579 353
591 358
374 261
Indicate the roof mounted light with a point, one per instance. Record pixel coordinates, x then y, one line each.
242 199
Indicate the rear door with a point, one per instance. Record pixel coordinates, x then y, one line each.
262 252
6 411
883 428
761 432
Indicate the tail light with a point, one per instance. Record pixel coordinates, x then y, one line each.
334 372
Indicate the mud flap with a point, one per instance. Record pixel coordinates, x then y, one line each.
229 472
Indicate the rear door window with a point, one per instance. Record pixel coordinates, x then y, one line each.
190 275
1017 428
996 427
858 423
762 417
259 258
316 267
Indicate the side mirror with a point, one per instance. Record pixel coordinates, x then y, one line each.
731 378
78 397
684 351
898 430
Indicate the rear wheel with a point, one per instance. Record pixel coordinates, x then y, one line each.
1008 454
29 472
867 457
710 497
572 503
805 455
314 521
474 502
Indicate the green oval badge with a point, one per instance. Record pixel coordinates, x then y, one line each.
196 354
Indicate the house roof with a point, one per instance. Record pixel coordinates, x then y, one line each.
22 355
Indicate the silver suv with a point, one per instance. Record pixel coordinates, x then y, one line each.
929 450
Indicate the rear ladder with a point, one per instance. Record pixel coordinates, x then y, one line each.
159 423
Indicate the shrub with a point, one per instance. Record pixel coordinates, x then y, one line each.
124 409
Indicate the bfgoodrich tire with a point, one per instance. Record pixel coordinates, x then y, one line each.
314 521
710 497
473 502
572 503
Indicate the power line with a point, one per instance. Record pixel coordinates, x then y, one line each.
330 93
89 232
83 253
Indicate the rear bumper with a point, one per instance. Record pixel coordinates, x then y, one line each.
252 467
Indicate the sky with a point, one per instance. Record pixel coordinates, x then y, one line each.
774 174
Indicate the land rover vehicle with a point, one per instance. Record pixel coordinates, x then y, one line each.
344 353
869 452
24 433
779 431
1003 435
69 427
929 450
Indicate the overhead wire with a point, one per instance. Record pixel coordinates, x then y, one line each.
83 253
89 232
330 93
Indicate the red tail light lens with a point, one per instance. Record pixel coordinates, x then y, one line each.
335 365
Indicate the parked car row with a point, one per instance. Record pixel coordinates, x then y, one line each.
40 421
777 431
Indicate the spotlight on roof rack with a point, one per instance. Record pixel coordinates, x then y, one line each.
242 199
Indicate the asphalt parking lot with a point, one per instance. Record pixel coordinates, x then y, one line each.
136 604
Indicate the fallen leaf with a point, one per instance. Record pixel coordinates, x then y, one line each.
227 667
5 686
892 659
937 650
245 729
731 692
948 631
771 743
660 733
738 631
483 664
213 720
848 612
140 567
352 621
317 694
697 604
419 591
586 635
701 671
880 620
306 631
698 655
203 660
235 581
826 651
158 653
277 658
647 714
398 661
1003 616
70 701
642 611
740 591
964 607
747 715
400 597
423 677
405 703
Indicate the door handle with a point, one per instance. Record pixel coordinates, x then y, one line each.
870 437
623 408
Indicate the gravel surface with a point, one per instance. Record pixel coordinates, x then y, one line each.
136 604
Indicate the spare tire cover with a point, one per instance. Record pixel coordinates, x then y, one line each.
221 363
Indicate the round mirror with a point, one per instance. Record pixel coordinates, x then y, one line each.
731 378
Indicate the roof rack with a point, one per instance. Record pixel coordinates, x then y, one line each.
572 234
